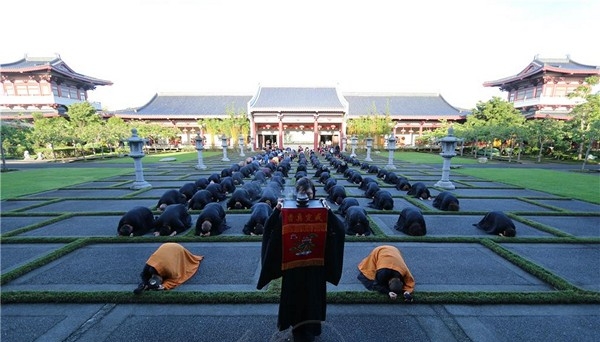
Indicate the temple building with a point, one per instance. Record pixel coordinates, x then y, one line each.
279 116
45 85
541 88
292 116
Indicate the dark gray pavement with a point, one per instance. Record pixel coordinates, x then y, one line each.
559 235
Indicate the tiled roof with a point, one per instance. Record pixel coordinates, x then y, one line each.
297 98
419 106
191 105
541 65
54 64
412 105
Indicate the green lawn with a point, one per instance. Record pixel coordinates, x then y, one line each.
429 158
31 181
155 158
568 184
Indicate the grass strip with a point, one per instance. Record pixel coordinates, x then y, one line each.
260 297
530 267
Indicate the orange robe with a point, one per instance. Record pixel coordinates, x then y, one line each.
387 257
174 264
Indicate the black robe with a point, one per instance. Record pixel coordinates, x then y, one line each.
497 222
171 197
175 218
371 189
240 196
303 295
337 194
139 218
200 199
347 203
411 222
215 214
258 218
356 221
445 200
419 190
382 200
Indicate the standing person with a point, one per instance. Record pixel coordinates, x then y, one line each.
302 303
385 271
168 267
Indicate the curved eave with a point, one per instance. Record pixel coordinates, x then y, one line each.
503 81
297 109
50 68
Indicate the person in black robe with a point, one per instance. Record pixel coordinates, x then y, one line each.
136 222
240 199
403 184
258 217
200 199
382 200
254 190
211 221
303 302
227 185
372 189
300 174
497 223
382 173
419 190
446 201
356 178
269 196
356 221
337 194
331 182
214 178
217 191
391 178
365 182
238 178
202 183
411 222
175 219
188 190
374 169
324 177
347 203
170 197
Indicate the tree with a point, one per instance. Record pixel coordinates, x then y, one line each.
50 132
586 114
84 124
496 119
543 132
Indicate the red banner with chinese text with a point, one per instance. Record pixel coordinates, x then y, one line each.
303 236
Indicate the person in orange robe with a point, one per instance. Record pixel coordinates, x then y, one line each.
168 267
385 271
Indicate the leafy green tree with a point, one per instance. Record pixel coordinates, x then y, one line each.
544 132
84 124
15 139
586 114
115 131
50 132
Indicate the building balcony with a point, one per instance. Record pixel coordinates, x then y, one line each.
542 101
42 100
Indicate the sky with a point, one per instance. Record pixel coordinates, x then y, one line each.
451 48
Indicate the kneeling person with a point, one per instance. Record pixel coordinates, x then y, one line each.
385 271
168 267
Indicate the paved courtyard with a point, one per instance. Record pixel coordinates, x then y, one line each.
63 242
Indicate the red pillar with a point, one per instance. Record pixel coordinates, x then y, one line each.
280 138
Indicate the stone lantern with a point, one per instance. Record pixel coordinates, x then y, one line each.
391 146
369 143
344 142
199 147
241 144
251 144
224 146
353 143
136 145
448 151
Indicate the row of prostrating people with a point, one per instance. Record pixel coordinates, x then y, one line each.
410 220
